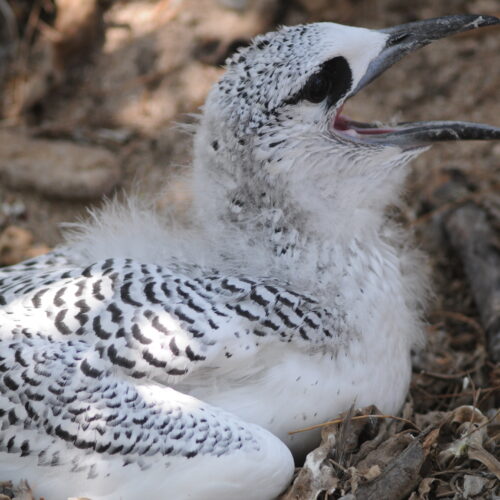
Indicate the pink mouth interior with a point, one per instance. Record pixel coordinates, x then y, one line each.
343 123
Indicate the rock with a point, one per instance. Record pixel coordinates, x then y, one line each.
36 250
56 168
14 242
16 245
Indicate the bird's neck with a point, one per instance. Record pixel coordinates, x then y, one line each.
272 235
288 215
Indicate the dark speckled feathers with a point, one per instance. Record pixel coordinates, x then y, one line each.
254 88
81 326
72 394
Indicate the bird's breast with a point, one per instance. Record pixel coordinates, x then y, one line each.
296 390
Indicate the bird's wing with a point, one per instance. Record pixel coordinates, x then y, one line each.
69 426
152 322
81 353
55 259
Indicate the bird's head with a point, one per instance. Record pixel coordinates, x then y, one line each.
273 138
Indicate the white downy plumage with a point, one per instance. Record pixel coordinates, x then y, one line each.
143 360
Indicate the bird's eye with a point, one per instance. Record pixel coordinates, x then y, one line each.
332 82
316 88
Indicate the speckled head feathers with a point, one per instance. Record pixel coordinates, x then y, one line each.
273 133
266 137
271 73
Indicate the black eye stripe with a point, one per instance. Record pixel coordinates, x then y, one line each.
340 75
331 82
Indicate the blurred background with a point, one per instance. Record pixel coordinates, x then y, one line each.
91 90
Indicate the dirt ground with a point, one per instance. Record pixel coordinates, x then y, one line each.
90 93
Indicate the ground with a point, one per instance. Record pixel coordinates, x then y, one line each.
91 91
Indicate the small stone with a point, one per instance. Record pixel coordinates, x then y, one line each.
36 251
14 242
56 168
473 485
14 209
16 245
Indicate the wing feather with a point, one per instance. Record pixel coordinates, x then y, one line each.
162 323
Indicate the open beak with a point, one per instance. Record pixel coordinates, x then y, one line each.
402 40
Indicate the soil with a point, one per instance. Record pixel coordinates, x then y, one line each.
91 92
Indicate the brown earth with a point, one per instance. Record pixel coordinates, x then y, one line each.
90 90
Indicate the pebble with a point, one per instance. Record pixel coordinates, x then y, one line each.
16 245
56 168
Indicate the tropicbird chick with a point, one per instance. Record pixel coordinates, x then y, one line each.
139 360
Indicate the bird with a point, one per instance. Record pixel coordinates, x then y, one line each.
147 358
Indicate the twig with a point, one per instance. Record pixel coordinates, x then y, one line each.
423 219
492 438
460 317
484 424
10 20
455 394
31 25
451 205
452 376
336 464
358 417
